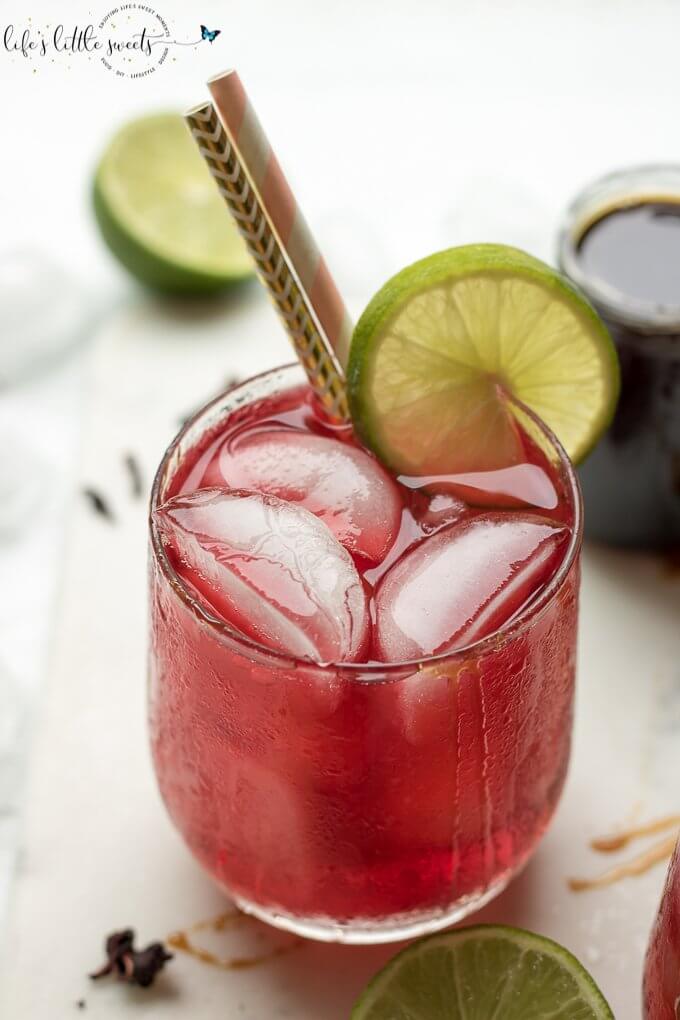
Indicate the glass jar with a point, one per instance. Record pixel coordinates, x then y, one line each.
661 980
357 802
631 482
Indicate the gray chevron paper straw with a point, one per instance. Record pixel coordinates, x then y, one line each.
275 266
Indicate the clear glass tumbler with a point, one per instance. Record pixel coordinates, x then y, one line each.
661 986
364 802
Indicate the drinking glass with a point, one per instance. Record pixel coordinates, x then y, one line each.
661 983
358 802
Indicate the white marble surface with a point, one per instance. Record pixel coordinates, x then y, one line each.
98 851
404 128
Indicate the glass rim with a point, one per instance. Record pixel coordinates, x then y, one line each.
618 189
357 671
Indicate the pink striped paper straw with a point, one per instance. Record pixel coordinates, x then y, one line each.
286 256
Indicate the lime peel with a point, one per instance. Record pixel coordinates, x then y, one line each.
442 344
482 971
160 212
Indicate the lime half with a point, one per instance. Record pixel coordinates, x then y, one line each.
483 973
160 212
445 348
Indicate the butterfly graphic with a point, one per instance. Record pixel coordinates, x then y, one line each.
209 34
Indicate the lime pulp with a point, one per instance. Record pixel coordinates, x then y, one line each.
485 972
450 346
160 212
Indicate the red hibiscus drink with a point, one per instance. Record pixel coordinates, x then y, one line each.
364 635
361 682
661 986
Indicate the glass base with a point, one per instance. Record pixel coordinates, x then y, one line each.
369 932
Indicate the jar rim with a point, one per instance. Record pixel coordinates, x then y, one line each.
616 190
259 387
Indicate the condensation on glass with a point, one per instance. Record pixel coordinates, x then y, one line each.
362 802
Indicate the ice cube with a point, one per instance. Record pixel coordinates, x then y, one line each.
511 488
463 583
341 484
43 311
271 569
440 509
265 816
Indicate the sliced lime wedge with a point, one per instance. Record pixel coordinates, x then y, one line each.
160 212
448 344
486 972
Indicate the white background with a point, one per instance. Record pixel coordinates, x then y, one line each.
403 127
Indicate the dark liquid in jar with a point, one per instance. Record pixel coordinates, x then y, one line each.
636 250
631 483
